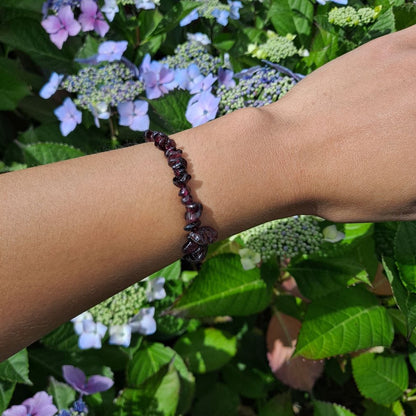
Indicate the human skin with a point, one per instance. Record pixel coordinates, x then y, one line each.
341 145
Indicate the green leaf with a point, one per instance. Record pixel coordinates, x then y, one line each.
223 287
405 300
62 338
16 368
380 378
384 25
6 393
395 409
169 111
32 5
206 349
171 272
400 324
342 322
27 35
405 254
12 87
43 153
280 404
317 278
330 409
405 15
63 395
167 395
218 400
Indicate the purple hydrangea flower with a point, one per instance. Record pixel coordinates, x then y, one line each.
221 16
134 115
235 7
202 38
120 335
155 289
92 19
343 2
90 333
110 9
204 84
145 4
189 18
111 51
225 77
68 115
158 80
202 108
61 26
143 322
189 77
51 86
39 405
76 378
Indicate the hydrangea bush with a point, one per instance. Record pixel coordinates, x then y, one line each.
298 316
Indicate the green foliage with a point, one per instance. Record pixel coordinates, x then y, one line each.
16 368
43 153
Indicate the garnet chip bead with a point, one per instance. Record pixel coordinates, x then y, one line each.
196 247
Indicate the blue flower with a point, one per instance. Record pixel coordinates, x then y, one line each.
143 322
90 333
189 77
155 289
134 115
145 4
225 77
110 9
235 7
76 378
120 335
189 18
202 108
158 80
51 86
111 51
343 2
68 115
199 37
221 16
204 84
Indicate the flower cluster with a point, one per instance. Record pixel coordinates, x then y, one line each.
214 9
276 48
284 238
350 17
125 313
41 403
256 87
62 23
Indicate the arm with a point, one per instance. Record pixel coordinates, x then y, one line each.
339 145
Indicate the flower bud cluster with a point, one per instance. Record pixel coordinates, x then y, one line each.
118 309
350 17
192 52
103 86
256 87
55 5
284 238
275 49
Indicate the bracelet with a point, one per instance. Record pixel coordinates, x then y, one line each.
196 246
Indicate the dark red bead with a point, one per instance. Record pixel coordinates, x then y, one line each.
199 254
174 159
184 191
192 216
192 226
170 144
203 235
173 152
160 140
187 199
194 207
181 180
180 164
189 247
179 172
148 135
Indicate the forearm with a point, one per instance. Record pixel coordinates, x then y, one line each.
75 232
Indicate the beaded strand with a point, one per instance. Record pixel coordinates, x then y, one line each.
196 245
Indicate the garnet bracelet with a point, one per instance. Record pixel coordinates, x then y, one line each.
196 246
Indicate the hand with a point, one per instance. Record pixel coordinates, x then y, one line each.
353 128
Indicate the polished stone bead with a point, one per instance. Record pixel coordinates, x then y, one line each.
179 172
192 226
180 164
199 254
160 140
192 216
184 191
174 159
170 144
187 199
182 180
194 207
173 152
203 235
148 135
189 247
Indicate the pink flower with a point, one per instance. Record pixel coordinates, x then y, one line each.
92 19
39 405
61 26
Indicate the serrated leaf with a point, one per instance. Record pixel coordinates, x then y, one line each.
317 278
280 404
12 87
6 393
63 395
380 378
206 349
344 321
395 409
330 409
405 254
169 111
400 324
170 272
383 25
62 338
44 153
167 394
405 300
405 15
16 368
223 287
